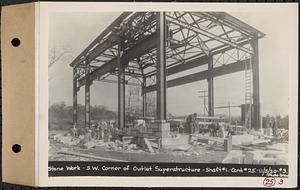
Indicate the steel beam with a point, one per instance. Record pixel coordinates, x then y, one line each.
101 48
195 62
255 79
210 82
161 67
217 71
121 90
117 22
87 97
144 98
137 50
207 34
184 66
75 95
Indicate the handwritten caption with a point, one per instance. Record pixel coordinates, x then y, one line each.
131 169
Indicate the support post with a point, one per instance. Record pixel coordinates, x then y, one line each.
87 96
144 98
74 95
161 67
256 98
210 82
121 90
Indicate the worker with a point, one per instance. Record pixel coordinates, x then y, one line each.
180 128
98 132
74 130
191 124
274 126
93 130
222 130
216 129
230 131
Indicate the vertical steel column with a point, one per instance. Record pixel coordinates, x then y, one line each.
74 95
255 71
121 89
87 96
210 82
144 98
161 67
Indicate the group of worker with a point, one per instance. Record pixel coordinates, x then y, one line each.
99 131
215 129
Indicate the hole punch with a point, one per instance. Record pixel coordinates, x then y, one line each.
15 42
16 148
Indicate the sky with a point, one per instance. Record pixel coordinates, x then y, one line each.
75 31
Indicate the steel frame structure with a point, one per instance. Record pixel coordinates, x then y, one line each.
152 46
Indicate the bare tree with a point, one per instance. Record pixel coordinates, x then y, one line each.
56 55
59 54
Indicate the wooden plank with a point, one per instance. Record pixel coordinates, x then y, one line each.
215 139
149 145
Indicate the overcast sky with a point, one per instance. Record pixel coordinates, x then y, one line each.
75 31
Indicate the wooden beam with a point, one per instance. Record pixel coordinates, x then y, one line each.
218 71
149 146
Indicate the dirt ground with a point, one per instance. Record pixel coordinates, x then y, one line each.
197 154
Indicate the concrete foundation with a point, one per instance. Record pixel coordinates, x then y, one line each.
161 129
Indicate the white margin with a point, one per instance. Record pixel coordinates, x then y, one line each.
44 180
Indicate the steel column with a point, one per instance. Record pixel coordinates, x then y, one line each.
255 79
121 89
144 98
87 96
210 82
74 95
161 67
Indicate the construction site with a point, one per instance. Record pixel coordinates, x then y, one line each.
155 51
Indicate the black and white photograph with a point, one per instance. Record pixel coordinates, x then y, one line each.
170 92
168 87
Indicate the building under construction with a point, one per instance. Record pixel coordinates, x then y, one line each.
150 46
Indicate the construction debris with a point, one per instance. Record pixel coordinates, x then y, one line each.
91 156
66 139
149 139
93 144
281 136
149 145
255 156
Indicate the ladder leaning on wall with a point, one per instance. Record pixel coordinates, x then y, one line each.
248 93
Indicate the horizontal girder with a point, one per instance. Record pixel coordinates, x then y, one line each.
107 30
140 48
218 71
